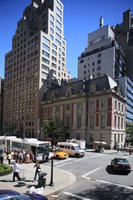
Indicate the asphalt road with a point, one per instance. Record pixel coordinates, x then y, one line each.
94 181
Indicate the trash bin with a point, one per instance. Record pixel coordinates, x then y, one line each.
42 179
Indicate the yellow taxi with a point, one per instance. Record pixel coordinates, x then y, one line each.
59 154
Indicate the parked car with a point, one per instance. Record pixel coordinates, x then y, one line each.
11 194
121 165
59 154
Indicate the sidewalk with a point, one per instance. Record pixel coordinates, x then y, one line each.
109 151
61 179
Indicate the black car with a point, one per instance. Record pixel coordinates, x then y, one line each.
121 165
11 194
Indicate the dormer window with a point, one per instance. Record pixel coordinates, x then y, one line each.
92 88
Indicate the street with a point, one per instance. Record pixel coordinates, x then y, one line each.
94 182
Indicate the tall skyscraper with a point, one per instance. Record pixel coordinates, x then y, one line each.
38 51
1 105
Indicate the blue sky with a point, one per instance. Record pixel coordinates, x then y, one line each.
80 18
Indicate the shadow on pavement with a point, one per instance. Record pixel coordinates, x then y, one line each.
104 192
109 170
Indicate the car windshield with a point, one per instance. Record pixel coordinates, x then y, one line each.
77 148
122 161
57 150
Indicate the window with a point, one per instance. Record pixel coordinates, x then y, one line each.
46 47
54 65
79 106
51 17
122 123
102 121
58 36
119 105
118 122
99 61
51 31
103 103
115 104
51 36
115 121
78 121
68 122
58 30
58 11
58 24
81 61
45 53
46 40
59 5
92 104
54 59
67 107
58 17
58 42
54 52
99 55
92 121
45 67
54 46
45 60
51 23
84 66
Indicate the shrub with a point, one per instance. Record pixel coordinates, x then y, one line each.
5 169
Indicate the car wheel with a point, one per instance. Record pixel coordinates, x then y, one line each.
77 155
57 157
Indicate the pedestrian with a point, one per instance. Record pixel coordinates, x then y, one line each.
9 157
38 170
16 169
1 155
130 151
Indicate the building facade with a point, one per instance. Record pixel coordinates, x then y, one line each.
93 110
38 50
110 50
1 104
124 36
103 55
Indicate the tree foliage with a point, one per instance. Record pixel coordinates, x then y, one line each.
129 129
56 133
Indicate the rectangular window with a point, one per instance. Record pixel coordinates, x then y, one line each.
45 40
58 11
51 24
54 59
79 106
58 17
78 121
67 107
54 52
58 42
59 5
51 31
58 36
45 67
45 60
102 121
58 30
51 36
54 65
51 17
45 53
92 121
58 24
46 47
54 46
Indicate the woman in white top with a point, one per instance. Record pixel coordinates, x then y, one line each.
16 171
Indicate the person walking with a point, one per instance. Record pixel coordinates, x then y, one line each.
38 170
16 169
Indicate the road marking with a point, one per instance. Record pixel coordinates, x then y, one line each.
90 172
74 160
119 185
76 196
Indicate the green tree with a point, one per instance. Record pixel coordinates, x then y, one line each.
56 133
129 130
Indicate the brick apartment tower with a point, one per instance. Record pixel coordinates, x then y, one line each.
38 51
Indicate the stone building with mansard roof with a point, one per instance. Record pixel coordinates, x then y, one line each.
93 110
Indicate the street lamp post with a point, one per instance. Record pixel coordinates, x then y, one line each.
51 179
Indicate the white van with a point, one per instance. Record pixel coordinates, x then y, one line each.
71 148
